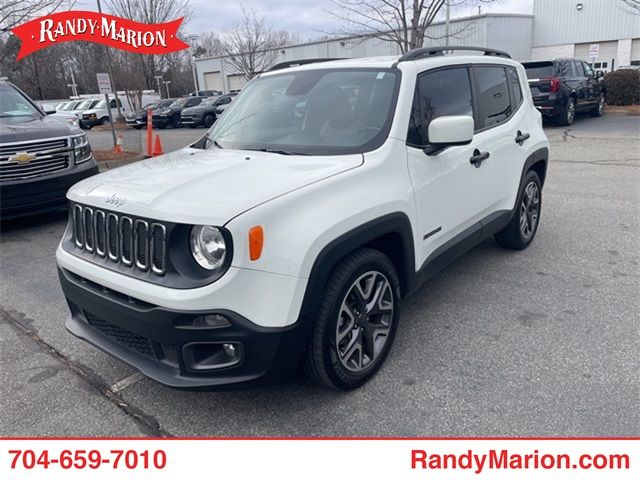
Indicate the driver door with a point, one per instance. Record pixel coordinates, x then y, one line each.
449 190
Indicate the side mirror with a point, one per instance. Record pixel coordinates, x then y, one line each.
599 74
449 131
50 112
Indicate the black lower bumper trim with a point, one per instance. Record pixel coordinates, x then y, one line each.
152 339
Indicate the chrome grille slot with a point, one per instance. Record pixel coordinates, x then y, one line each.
78 228
113 238
87 225
141 244
100 232
126 240
158 236
131 242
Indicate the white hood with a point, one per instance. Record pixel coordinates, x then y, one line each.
205 186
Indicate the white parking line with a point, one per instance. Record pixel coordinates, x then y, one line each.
126 382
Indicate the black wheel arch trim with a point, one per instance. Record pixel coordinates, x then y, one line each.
393 223
538 156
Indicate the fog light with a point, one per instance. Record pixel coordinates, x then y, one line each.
212 320
229 349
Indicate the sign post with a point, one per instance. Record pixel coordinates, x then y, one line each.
104 86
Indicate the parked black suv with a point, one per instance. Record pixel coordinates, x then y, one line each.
138 119
205 113
171 115
563 87
40 157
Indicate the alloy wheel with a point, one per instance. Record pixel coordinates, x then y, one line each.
529 210
571 111
364 321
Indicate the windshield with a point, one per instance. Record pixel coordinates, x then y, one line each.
101 104
85 105
210 100
151 105
70 105
539 69
311 112
180 102
14 107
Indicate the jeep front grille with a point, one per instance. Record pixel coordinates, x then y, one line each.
123 239
50 156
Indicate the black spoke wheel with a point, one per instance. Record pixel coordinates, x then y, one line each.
523 226
357 321
569 114
208 120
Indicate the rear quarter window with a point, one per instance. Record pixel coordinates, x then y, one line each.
493 95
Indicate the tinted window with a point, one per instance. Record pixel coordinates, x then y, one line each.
493 93
539 69
193 102
439 93
565 69
514 84
579 69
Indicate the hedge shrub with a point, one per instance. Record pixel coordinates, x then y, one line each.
623 87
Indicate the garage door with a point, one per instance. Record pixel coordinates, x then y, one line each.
635 52
608 52
213 81
236 82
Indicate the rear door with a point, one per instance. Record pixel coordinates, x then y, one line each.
503 130
591 91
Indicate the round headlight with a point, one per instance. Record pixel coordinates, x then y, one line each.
207 246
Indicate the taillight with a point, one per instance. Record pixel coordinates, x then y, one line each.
554 84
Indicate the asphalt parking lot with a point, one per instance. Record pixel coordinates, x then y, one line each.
543 342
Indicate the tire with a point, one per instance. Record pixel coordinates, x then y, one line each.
208 120
104 121
339 354
137 127
516 235
569 115
598 111
176 121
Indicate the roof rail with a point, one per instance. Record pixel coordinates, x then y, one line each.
297 63
419 53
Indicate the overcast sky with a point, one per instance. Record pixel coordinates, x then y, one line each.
307 18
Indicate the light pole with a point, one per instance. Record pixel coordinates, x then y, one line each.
158 80
113 82
74 90
191 39
446 33
166 84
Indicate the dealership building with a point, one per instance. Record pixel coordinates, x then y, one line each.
604 32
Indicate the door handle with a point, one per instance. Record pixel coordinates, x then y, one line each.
521 137
478 157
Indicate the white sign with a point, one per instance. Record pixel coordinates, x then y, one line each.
594 50
104 83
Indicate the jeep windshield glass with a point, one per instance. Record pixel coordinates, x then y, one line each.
14 107
311 112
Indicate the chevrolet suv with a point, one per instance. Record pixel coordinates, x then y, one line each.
565 86
291 232
40 156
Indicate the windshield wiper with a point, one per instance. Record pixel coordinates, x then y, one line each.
278 151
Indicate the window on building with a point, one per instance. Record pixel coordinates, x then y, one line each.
493 92
439 93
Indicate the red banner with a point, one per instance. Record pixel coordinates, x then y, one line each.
116 32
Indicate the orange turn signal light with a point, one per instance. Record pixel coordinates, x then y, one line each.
256 240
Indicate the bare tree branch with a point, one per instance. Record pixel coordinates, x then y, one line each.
403 22
15 12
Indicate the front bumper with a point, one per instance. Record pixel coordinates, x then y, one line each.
160 342
137 121
41 194
89 122
191 119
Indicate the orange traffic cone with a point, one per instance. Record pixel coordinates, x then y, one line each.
118 148
157 147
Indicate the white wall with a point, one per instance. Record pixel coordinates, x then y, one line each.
553 51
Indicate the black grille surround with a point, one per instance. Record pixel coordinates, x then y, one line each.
147 249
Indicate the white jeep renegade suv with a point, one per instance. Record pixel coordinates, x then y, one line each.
290 233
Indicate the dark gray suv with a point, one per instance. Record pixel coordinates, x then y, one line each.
40 156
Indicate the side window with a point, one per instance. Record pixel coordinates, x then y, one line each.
587 69
579 69
439 93
514 84
494 101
